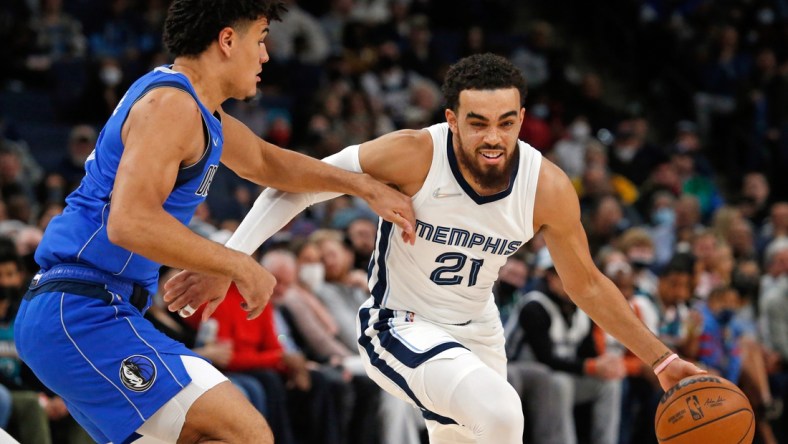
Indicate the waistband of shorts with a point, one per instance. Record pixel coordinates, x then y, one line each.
87 281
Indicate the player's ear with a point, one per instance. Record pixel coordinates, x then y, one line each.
226 40
451 119
522 114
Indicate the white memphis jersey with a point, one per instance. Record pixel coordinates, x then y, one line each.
463 239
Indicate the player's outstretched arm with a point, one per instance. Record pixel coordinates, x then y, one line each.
400 159
163 132
557 214
269 165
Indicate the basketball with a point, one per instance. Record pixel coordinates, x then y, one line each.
704 409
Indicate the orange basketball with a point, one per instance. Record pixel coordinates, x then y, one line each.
704 409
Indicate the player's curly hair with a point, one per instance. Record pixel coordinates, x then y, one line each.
481 71
192 25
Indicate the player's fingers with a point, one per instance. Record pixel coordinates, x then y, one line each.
175 281
408 234
255 313
210 307
179 301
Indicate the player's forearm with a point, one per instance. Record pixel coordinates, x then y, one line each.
274 208
161 238
605 304
296 173
270 212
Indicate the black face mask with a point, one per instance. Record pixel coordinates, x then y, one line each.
29 261
9 293
505 291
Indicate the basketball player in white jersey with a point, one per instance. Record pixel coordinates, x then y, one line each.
430 333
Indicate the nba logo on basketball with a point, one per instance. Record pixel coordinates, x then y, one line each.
694 407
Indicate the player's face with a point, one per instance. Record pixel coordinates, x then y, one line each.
251 57
485 127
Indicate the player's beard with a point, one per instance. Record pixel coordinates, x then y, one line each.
488 177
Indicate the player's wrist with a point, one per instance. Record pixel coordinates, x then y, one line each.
659 368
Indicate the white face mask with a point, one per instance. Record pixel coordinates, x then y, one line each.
580 131
312 275
111 75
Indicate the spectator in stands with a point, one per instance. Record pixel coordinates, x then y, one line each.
631 155
306 410
570 152
298 36
776 226
392 83
561 336
773 288
674 290
68 173
754 199
732 351
640 389
369 409
58 38
688 220
343 292
38 416
361 234
202 342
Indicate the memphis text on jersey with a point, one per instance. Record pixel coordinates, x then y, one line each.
464 238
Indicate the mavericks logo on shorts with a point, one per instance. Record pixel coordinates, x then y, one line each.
137 373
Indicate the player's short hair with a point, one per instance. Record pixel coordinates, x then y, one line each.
192 25
481 72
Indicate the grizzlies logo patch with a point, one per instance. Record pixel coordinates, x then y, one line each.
137 373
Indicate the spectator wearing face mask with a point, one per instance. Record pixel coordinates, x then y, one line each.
570 152
69 171
729 349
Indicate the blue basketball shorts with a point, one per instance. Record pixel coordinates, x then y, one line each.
111 366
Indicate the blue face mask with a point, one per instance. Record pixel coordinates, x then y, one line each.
663 216
725 315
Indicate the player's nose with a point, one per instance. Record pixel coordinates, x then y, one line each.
492 137
263 55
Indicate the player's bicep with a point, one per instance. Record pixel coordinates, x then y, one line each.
243 152
557 213
162 132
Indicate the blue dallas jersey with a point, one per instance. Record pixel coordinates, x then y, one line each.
79 235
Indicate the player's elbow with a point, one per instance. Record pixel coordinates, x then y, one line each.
119 231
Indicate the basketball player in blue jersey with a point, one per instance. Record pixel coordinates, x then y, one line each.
430 332
80 327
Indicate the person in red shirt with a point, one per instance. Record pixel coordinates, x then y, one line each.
300 398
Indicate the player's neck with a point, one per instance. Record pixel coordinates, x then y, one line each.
206 83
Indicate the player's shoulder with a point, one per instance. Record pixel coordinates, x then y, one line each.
171 105
556 198
553 179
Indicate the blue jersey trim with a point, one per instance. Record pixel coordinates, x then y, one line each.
375 359
379 290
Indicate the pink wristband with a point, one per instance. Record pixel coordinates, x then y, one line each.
665 363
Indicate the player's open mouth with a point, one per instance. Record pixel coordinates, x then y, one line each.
492 157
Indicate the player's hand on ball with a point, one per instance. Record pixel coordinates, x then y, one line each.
676 371
187 291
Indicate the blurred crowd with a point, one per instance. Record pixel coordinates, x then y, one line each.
681 186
